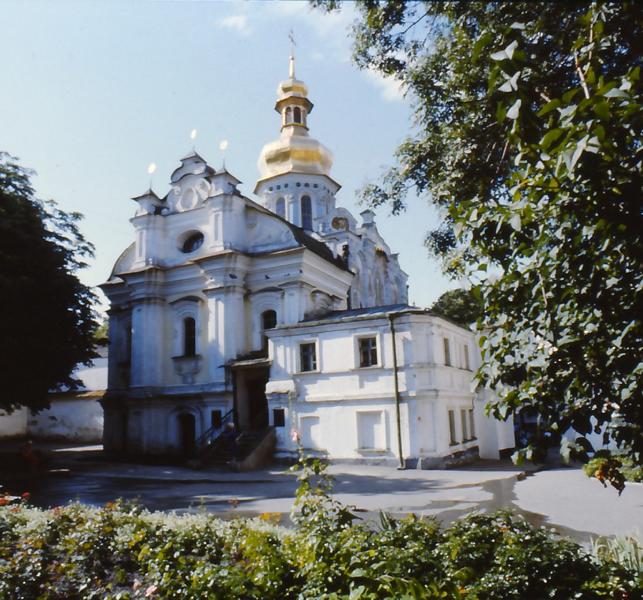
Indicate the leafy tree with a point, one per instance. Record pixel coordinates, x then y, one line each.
462 306
528 137
101 333
46 314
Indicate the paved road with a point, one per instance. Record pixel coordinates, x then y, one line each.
561 498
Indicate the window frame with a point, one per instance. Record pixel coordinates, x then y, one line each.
362 339
453 439
282 419
280 203
464 425
357 340
308 212
446 346
300 363
189 336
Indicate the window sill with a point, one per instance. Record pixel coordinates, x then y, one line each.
369 367
372 450
315 372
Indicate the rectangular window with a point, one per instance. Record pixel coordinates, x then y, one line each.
278 417
215 419
466 357
367 352
308 357
447 353
463 419
472 424
452 437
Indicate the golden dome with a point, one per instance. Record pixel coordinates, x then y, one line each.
295 151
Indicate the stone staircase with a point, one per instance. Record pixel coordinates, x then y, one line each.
254 450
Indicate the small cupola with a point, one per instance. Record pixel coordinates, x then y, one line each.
149 203
292 101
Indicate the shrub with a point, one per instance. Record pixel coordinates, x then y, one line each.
122 551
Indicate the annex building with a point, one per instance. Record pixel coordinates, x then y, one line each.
285 315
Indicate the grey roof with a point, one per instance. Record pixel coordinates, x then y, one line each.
369 311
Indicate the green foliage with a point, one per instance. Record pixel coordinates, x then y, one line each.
122 551
101 332
46 313
528 139
463 306
626 551
603 463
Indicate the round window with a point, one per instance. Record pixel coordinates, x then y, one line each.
193 242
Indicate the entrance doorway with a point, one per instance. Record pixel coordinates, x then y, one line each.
250 397
187 433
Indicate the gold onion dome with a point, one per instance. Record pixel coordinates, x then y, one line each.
295 151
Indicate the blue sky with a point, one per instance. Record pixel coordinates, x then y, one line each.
93 92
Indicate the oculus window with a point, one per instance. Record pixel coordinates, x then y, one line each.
192 243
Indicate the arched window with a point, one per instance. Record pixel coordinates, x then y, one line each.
306 212
288 115
297 112
280 209
268 321
189 336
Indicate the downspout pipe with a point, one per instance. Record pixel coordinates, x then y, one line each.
402 465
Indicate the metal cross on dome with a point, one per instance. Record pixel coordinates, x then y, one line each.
291 37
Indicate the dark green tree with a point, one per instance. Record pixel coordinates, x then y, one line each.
463 306
46 313
528 138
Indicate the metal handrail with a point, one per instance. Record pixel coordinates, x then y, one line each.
207 437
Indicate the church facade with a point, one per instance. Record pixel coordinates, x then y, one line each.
282 313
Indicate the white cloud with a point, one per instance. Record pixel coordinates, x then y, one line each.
237 23
333 33
390 88
332 29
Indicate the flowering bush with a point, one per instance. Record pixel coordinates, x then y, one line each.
122 551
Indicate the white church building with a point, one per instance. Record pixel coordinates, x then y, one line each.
284 315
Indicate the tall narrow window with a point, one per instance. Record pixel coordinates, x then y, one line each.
297 113
465 428
368 352
447 352
189 337
452 436
472 425
308 357
306 212
280 208
288 115
216 419
466 358
268 321
279 417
